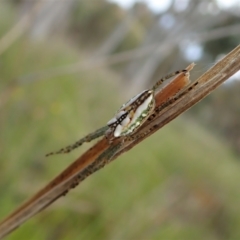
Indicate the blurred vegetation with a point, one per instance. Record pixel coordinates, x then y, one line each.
92 22
224 120
182 183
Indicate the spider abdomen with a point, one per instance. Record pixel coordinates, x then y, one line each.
132 114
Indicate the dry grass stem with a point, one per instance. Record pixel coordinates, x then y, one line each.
170 103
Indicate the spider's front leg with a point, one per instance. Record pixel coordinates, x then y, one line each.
170 75
98 133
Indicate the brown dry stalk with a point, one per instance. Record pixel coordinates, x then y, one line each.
169 106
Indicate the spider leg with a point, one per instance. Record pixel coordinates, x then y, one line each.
98 133
158 83
173 99
99 163
134 137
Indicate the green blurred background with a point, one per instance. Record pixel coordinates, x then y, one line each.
65 68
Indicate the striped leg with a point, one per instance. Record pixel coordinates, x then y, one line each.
98 133
158 83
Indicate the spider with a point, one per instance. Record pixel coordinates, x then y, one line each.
128 118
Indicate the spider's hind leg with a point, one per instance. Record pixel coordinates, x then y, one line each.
158 83
98 133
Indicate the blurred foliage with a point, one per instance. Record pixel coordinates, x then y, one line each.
225 44
225 117
182 183
93 21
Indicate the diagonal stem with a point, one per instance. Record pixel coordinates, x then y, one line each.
102 153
